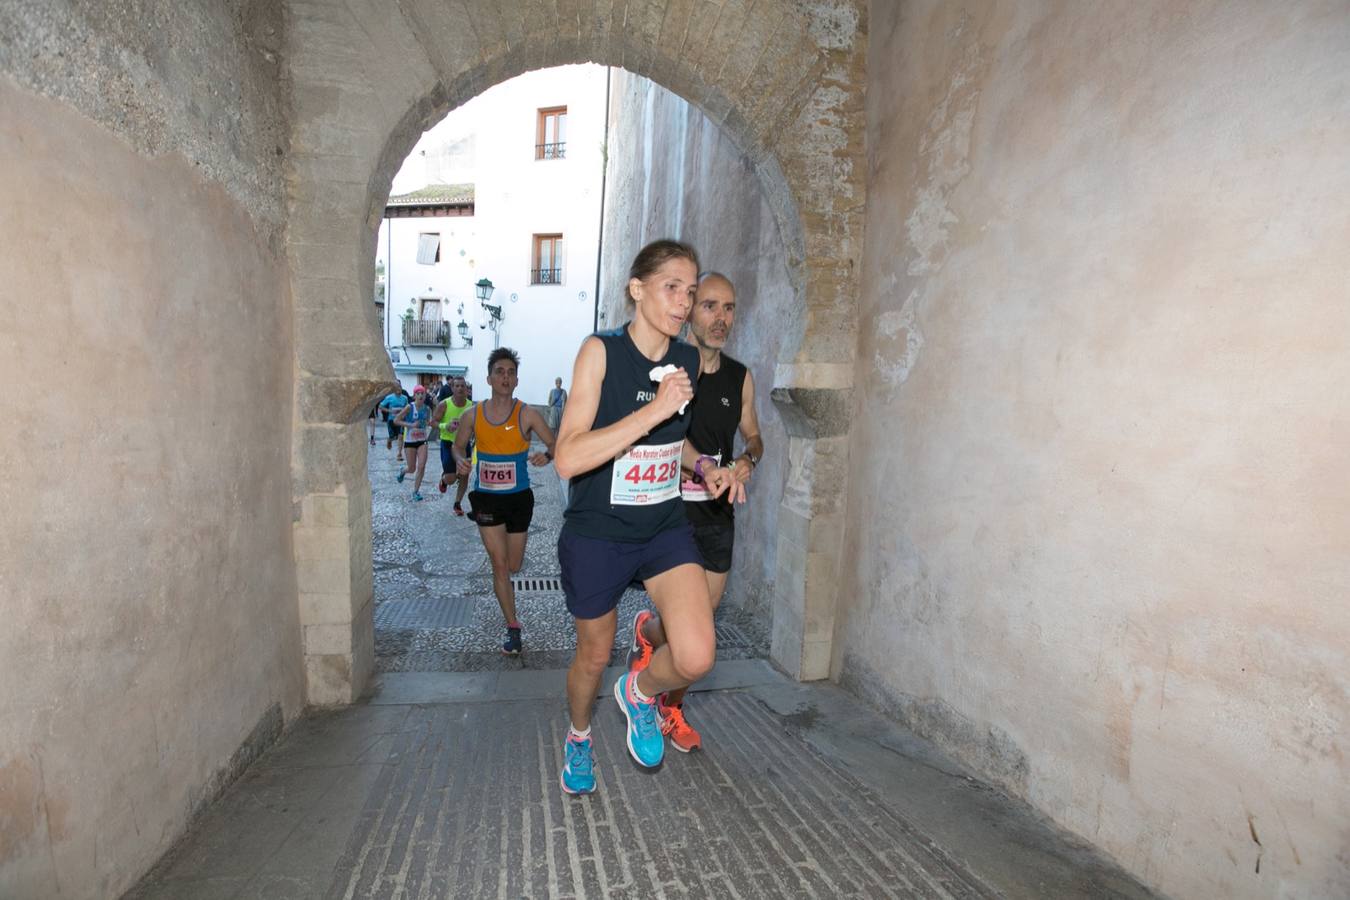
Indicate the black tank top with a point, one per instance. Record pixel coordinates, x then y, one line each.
627 387
715 415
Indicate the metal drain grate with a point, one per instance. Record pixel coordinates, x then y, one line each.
730 637
549 584
424 613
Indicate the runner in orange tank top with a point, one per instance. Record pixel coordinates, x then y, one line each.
501 498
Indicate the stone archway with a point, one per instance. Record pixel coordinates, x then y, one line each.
784 79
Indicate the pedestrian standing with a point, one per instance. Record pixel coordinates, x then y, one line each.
557 398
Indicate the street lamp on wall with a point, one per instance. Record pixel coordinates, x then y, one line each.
464 335
484 290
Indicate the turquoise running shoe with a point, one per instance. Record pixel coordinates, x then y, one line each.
578 774
401 473
417 496
645 740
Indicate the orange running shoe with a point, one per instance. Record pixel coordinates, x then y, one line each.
683 736
640 650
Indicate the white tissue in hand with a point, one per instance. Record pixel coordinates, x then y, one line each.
659 372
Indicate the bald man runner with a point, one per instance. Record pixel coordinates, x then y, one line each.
723 404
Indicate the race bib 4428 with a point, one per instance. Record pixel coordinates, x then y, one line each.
646 474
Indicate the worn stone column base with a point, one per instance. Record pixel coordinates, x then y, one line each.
810 517
333 573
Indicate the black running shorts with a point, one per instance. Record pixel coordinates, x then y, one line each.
515 510
715 543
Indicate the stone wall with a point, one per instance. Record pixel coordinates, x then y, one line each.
149 645
673 173
782 78
1098 521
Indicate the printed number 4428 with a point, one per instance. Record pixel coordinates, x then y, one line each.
653 474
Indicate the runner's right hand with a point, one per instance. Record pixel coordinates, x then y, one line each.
675 391
463 467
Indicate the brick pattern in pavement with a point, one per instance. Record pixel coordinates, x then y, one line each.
469 805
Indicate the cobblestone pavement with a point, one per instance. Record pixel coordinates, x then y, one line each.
434 605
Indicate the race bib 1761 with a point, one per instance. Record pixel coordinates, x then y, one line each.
646 474
496 476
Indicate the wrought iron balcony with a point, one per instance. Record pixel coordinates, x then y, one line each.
433 333
546 276
550 151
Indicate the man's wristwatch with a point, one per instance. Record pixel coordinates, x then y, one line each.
754 460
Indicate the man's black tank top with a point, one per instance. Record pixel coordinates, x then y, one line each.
715 415
627 387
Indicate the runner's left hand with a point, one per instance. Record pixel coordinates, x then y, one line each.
722 480
538 459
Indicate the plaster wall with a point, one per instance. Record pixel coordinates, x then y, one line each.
1098 516
150 640
674 173
516 197
450 280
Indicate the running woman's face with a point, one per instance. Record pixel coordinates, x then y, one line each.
714 312
502 377
665 297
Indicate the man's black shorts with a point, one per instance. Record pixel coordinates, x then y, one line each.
715 543
512 510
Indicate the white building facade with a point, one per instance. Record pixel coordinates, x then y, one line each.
507 189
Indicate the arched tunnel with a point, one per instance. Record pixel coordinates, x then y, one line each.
1048 324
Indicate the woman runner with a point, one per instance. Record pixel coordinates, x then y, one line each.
415 420
621 442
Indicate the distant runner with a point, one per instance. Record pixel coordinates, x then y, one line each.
501 498
447 415
416 420
390 407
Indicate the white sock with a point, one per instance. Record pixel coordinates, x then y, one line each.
637 692
576 735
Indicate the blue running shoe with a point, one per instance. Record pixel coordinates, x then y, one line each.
401 473
645 740
417 495
578 774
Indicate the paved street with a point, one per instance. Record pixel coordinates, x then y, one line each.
445 783
434 606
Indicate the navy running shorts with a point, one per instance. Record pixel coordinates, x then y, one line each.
448 459
596 572
715 543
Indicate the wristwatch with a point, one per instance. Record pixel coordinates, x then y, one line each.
754 460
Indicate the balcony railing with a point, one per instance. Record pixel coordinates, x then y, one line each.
550 151
546 276
418 333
